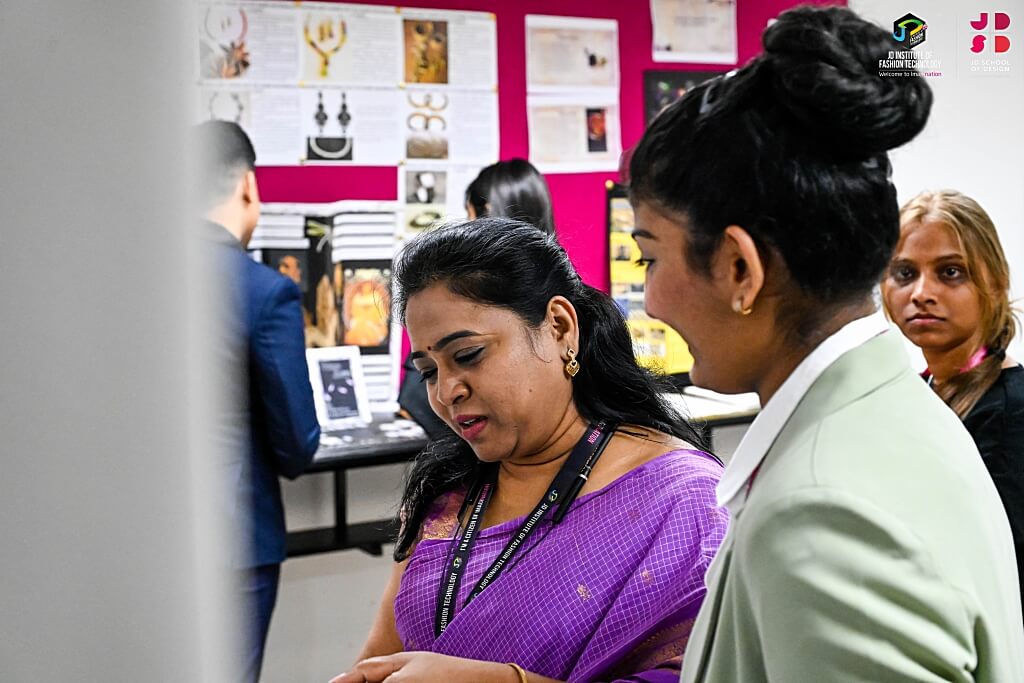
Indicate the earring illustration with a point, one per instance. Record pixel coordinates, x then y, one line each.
344 117
572 366
320 116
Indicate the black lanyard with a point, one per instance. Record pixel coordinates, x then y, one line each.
561 493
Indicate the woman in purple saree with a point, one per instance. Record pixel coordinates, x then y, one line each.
562 531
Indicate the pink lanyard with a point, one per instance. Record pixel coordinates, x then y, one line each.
973 362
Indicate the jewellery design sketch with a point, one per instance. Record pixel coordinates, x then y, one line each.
427 124
330 148
223 52
426 51
425 194
226 106
426 115
595 60
326 39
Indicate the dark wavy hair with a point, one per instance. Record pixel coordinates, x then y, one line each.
792 147
510 264
514 189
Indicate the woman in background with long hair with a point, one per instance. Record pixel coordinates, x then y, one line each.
948 290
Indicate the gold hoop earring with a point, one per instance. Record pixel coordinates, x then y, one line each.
572 366
737 306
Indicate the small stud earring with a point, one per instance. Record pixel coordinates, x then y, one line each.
573 365
737 306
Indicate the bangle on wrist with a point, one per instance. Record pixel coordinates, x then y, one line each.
519 672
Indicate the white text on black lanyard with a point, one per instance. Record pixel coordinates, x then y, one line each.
563 491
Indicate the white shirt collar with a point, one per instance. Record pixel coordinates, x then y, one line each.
774 415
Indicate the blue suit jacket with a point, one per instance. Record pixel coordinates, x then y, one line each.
275 431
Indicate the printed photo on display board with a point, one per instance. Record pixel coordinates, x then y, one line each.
426 196
339 387
223 46
228 105
325 326
324 83
347 44
319 313
331 141
656 344
294 265
350 125
694 31
662 88
573 134
426 124
324 35
366 304
425 45
597 129
570 53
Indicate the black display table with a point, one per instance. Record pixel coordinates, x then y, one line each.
385 441
388 440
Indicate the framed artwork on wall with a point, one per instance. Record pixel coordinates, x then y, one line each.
662 88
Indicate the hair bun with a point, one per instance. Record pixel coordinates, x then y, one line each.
825 66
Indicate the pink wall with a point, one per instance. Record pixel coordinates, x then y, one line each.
578 198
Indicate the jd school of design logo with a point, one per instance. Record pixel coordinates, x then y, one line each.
990 28
909 30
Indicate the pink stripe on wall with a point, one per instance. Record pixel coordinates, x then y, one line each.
578 198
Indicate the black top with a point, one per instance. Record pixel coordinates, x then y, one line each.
997 424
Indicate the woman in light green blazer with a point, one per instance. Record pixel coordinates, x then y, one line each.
867 540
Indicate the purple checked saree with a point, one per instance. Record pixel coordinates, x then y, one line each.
610 594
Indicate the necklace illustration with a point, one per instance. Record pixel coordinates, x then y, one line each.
326 43
235 58
217 112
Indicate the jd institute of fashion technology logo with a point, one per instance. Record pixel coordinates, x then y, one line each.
909 31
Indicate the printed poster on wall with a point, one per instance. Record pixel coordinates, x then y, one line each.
573 93
331 83
574 133
694 31
568 52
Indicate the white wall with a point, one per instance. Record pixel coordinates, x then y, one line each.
105 534
974 141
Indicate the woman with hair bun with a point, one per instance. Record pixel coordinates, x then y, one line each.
948 290
866 541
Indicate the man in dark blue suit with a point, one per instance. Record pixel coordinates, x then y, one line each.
271 429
